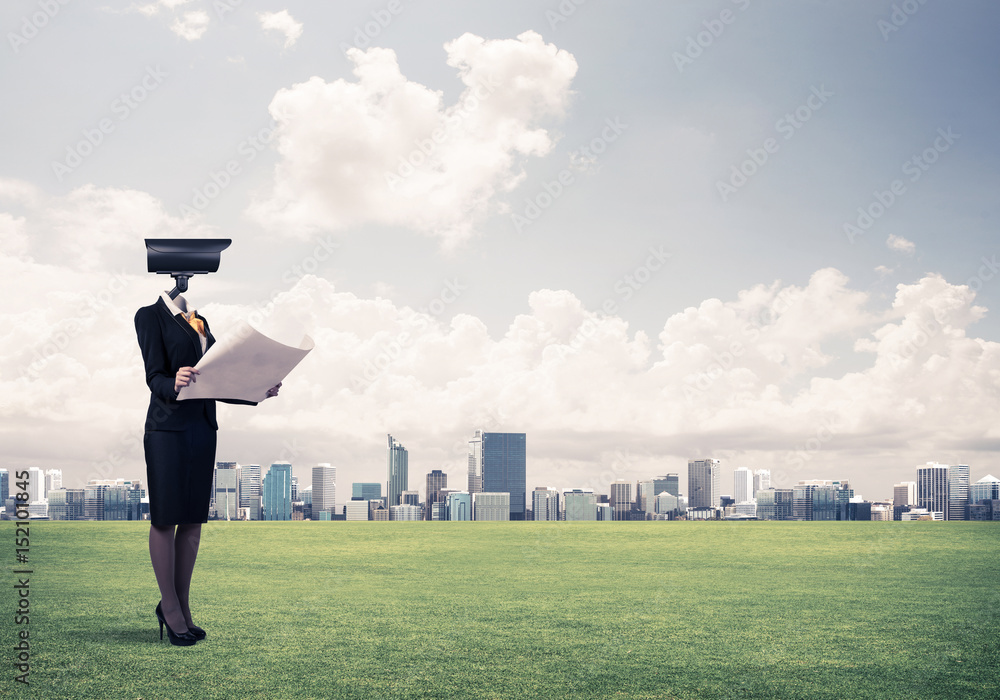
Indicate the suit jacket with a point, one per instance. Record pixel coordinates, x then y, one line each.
168 342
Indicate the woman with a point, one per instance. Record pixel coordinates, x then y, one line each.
179 445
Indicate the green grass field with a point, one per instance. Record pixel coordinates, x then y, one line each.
520 610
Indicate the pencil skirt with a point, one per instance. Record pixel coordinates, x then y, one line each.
179 468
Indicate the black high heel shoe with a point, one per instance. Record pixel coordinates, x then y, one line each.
184 639
197 632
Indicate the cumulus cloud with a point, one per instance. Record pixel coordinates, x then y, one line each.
283 23
900 244
384 149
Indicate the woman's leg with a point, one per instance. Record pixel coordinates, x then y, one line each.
185 552
161 554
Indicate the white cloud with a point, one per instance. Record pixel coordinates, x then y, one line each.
749 378
191 25
387 150
900 244
283 23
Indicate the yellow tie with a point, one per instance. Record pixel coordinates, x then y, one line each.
194 322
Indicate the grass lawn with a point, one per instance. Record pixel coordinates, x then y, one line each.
519 610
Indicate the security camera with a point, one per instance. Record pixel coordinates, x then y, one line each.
181 258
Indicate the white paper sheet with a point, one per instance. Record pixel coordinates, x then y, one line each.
244 365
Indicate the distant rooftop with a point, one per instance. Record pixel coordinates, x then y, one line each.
987 479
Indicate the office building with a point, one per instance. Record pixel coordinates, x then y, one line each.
295 489
475 477
774 504
397 470
366 491
460 505
503 463
357 509
53 480
986 489
490 505
324 490
958 492
579 504
703 483
545 503
277 492
437 483
406 512
36 485
66 504
439 510
644 495
904 494
620 499
743 490
605 512
666 504
226 491
669 483
761 481
932 488
250 490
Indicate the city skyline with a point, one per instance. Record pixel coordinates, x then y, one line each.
682 243
936 486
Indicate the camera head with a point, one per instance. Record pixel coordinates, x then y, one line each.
182 258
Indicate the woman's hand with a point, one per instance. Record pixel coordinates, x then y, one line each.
185 376
273 391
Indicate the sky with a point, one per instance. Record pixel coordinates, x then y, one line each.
639 232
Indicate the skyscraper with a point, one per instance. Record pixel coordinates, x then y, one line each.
476 463
227 489
958 492
644 495
397 470
504 468
986 489
904 494
932 488
53 479
669 483
36 485
324 490
761 480
545 503
743 489
703 483
4 486
250 490
620 499
437 481
277 496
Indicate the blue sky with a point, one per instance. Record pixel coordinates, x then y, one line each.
874 99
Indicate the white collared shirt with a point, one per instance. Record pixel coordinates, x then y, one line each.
180 306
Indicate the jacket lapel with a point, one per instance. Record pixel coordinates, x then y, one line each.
192 334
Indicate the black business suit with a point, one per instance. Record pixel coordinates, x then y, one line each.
180 436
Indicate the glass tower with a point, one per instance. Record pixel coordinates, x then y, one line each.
397 470
703 483
958 492
277 496
504 467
